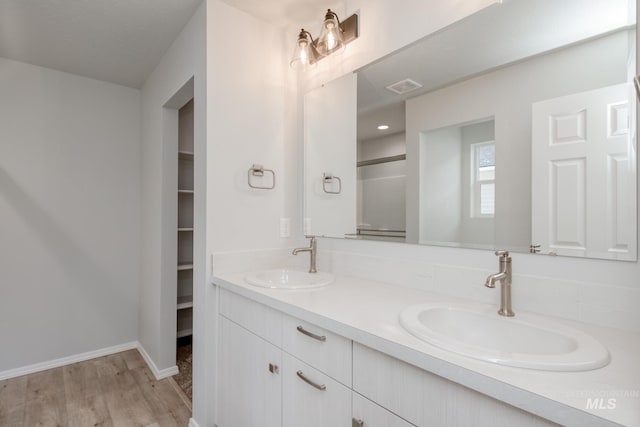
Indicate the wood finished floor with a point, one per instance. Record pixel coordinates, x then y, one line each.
116 390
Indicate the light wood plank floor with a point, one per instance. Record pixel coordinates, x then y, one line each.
114 391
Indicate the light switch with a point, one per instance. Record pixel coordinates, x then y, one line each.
285 227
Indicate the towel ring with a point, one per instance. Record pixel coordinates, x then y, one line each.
259 170
327 181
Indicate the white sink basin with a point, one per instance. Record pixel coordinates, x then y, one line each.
523 341
288 279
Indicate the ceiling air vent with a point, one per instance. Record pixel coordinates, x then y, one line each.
404 86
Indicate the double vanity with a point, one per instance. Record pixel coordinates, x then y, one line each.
528 144
314 349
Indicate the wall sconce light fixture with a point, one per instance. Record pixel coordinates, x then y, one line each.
334 36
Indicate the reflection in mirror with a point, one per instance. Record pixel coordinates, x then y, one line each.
511 129
575 213
457 181
382 174
330 153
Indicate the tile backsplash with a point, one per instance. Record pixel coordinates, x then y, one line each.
574 289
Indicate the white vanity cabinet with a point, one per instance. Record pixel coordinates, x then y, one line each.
311 398
328 352
365 413
250 387
425 399
275 370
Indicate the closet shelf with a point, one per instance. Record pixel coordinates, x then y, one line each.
185 302
185 267
184 333
185 155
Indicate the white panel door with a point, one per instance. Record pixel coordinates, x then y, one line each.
584 174
330 114
250 386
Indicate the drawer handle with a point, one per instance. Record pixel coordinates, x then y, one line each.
311 334
311 383
357 423
273 368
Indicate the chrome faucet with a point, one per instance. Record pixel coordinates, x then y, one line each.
312 251
504 276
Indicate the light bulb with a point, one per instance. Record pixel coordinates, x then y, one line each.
302 55
331 38
331 41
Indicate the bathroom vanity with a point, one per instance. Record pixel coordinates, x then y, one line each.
338 356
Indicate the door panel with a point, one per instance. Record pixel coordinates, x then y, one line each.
584 174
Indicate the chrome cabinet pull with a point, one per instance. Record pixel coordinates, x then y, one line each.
357 423
311 334
311 383
273 368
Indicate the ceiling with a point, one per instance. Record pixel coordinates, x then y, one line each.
119 41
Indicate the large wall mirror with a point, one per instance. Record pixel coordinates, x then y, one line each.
512 129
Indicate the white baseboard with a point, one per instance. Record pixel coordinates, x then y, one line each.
43 366
159 374
193 423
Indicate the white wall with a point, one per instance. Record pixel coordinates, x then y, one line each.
251 118
330 150
69 204
384 146
159 169
440 188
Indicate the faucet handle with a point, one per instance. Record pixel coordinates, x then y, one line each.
504 254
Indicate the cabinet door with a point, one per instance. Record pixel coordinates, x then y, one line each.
249 393
312 399
368 414
425 399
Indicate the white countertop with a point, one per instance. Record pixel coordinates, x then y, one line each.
367 312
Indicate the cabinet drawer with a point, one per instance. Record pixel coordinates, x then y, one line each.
426 399
372 415
257 318
324 350
312 399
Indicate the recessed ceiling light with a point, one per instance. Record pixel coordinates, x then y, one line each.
383 127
